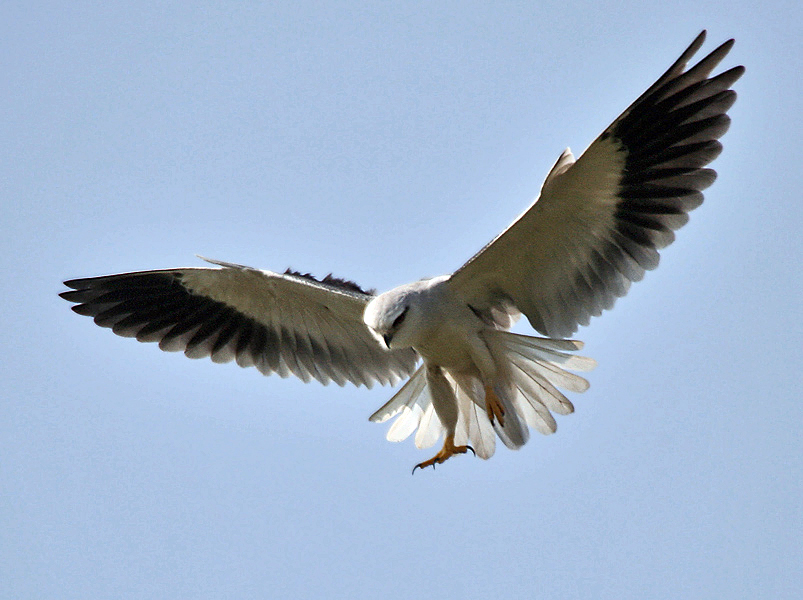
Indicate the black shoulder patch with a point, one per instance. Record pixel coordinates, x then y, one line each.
331 280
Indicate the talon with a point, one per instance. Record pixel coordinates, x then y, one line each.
427 463
448 450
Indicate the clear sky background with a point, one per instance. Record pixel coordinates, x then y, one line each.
385 142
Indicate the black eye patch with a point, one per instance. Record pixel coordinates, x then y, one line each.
398 321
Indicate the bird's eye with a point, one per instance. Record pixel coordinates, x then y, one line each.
398 321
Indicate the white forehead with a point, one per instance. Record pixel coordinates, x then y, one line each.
384 309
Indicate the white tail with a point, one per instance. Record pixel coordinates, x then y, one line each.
530 368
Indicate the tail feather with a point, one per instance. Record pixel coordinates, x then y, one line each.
407 396
536 415
429 428
531 369
545 349
536 388
559 377
405 424
473 426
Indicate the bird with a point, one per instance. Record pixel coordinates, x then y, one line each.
596 226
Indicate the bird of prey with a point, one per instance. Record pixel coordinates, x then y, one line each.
597 226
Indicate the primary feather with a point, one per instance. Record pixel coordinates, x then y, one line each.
600 220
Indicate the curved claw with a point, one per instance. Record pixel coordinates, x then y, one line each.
428 463
448 450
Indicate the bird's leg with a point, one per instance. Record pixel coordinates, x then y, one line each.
493 406
448 450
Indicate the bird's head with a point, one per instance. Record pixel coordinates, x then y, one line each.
392 316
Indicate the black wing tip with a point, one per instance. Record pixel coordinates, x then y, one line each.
727 44
85 310
738 70
69 295
85 283
75 284
700 40
721 52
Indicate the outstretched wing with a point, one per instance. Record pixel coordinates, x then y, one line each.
600 221
279 323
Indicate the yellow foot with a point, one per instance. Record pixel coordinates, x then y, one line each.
448 450
494 407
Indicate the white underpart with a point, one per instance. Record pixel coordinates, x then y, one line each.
537 367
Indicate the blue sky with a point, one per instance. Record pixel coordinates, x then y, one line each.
385 142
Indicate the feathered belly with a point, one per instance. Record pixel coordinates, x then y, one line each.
448 348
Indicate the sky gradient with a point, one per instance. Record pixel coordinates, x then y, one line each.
385 142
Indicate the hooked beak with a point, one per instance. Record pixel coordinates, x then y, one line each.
388 337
